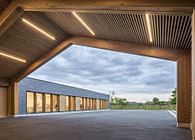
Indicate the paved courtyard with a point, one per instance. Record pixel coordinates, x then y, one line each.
106 125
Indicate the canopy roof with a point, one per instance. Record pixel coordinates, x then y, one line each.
170 30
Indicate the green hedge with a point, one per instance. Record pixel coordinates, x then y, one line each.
143 107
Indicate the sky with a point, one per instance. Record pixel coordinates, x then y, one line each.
136 78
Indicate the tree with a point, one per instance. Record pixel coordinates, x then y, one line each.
119 101
173 99
155 100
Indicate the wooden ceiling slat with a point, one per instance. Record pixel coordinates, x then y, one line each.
163 32
144 29
134 29
180 36
172 30
187 34
168 31
177 31
154 30
127 26
160 30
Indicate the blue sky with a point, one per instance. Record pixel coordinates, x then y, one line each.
137 78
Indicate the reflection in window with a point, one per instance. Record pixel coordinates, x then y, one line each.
94 104
73 103
91 104
30 102
85 103
55 102
39 102
47 103
81 103
88 106
67 103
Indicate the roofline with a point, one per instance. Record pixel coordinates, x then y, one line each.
63 85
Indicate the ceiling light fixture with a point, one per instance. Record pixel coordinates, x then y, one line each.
38 29
12 57
82 22
149 27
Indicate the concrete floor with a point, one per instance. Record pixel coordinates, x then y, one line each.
108 125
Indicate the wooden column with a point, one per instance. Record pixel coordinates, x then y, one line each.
44 103
184 91
52 103
3 102
193 74
13 99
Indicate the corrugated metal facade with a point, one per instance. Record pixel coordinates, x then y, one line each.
40 86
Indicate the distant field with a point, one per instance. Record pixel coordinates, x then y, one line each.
144 107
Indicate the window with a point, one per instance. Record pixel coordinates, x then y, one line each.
85 103
55 103
39 102
94 103
88 106
100 104
67 103
73 107
47 103
91 103
81 103
30 102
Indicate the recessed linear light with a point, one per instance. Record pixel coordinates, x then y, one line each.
149 27
12 57
82 22
38 29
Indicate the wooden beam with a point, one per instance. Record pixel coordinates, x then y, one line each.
132 48
184 91
169 54
8 11
13 99
51 4
12 18
43 59
193 75
184 7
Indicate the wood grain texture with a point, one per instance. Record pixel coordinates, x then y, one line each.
132 48
44 4
12 18
193 74
3 102
184 89
40 61
77 103
13 96
62 103
169 54
8 11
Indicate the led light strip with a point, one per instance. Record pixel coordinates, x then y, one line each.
149 27
12 57
38 29
83 23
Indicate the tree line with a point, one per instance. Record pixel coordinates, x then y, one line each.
155 100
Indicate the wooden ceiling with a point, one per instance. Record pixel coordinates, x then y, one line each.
170 29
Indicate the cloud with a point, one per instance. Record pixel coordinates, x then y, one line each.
103 70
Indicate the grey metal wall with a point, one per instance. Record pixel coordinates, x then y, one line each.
35 85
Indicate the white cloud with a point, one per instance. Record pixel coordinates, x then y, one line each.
103 71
